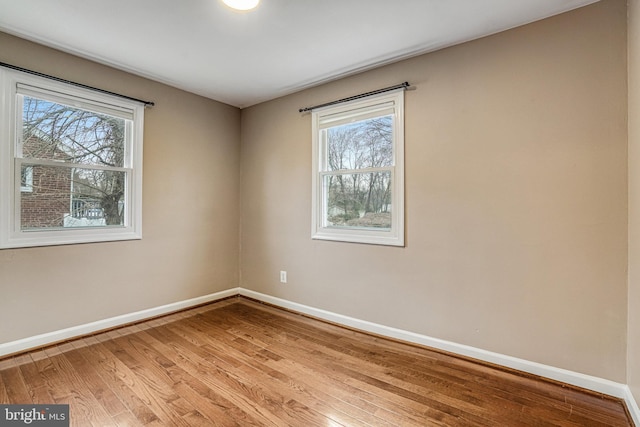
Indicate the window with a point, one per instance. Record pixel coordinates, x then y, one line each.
26 179
358 171
70 164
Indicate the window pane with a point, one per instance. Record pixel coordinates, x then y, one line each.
361 200
58 132
63 197
363 144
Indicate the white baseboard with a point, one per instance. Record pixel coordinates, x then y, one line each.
589 382
101 325
632 406
600 385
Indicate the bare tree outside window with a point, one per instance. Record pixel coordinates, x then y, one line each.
75 159
358 192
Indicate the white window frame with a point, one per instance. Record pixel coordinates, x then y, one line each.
12 84
369 107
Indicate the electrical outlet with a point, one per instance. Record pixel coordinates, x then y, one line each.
283 277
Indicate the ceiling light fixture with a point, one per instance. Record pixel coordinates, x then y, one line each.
241 4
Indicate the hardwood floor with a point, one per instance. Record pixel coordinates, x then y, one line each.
241 363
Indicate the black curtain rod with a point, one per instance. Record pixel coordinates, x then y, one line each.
58 79
404 85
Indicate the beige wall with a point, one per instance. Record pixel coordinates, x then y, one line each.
516 198
190 213
633 354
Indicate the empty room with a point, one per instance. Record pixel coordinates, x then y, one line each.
337 213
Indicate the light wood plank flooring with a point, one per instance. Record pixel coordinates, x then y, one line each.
241 363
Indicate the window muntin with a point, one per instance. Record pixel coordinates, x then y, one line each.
70 164
358 171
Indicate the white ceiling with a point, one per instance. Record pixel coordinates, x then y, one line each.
283 46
